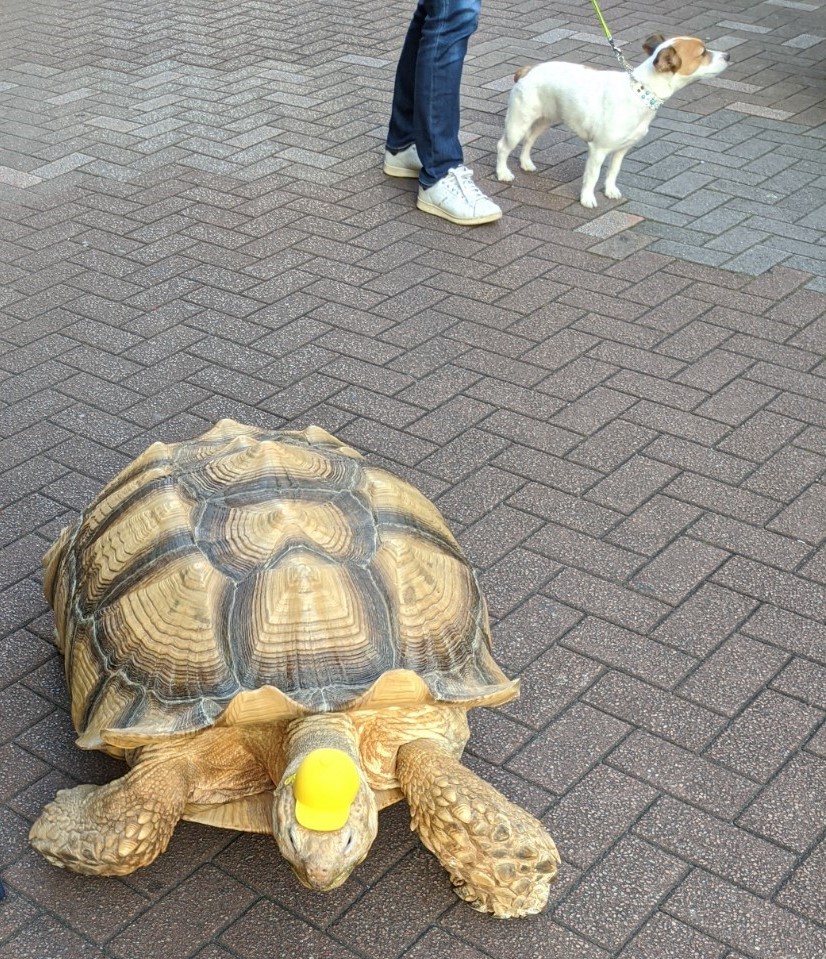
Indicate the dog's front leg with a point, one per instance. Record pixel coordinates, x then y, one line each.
611 190
596 157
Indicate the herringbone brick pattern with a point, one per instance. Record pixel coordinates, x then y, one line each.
629 441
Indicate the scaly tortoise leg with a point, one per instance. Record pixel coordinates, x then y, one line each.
114 829
499 857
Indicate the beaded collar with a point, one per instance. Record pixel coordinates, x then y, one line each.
648 98
642 91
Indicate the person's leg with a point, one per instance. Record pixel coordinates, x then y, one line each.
423 137
443 40
401 133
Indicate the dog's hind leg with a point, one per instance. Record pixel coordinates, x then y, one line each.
516 127
538 127
611 190
596 157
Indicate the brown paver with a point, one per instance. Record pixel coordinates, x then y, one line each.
621 411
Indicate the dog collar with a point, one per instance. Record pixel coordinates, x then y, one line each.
648 98
642 91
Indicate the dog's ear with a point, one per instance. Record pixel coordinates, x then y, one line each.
668 61
522 71
652 43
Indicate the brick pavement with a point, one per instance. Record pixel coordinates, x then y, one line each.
629 440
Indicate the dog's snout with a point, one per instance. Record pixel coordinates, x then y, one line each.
727 56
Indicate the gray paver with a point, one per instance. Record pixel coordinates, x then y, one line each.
621 412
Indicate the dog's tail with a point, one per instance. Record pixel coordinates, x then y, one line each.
522 71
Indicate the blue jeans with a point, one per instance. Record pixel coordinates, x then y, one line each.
426 95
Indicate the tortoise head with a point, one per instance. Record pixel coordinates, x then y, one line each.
324 818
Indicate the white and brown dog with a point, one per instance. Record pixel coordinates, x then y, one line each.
609 109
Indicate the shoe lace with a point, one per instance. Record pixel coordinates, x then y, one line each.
464 180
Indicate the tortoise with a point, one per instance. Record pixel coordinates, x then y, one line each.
278 638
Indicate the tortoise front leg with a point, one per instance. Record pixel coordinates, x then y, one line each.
114 829
499 857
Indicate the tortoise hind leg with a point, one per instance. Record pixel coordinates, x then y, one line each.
500 858
114 829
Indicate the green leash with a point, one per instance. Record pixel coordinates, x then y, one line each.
604 24
650 100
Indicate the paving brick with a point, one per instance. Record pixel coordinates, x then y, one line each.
539 938
437 944
269 930
618 605
463 455
750 541
442 384
524 633
789 809
704 620
679 570
599 407
633 483
788 474
222 250
655 710
714 370
576 379
568 748
596 812
699 429
552 682
20 708
495 737
620 892
212 952
46 936
699 459
584 552
805 518
743 920
192 915
45 885
20 653
528 402
16 913
765 735
409 898
653 525
612 445
682 774
514 578
625 650
773 586
663 937
804 892
496 533
722 498
803 680
733 675
503 368
565 509
719 847
777 353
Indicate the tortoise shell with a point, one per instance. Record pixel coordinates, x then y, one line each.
247 576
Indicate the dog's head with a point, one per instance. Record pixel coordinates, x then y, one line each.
685 58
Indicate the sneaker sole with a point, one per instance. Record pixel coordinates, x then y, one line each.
460 221
401 171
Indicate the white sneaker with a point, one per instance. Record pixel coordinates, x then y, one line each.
457 198
406 163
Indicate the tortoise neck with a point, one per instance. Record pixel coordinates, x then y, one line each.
326 731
